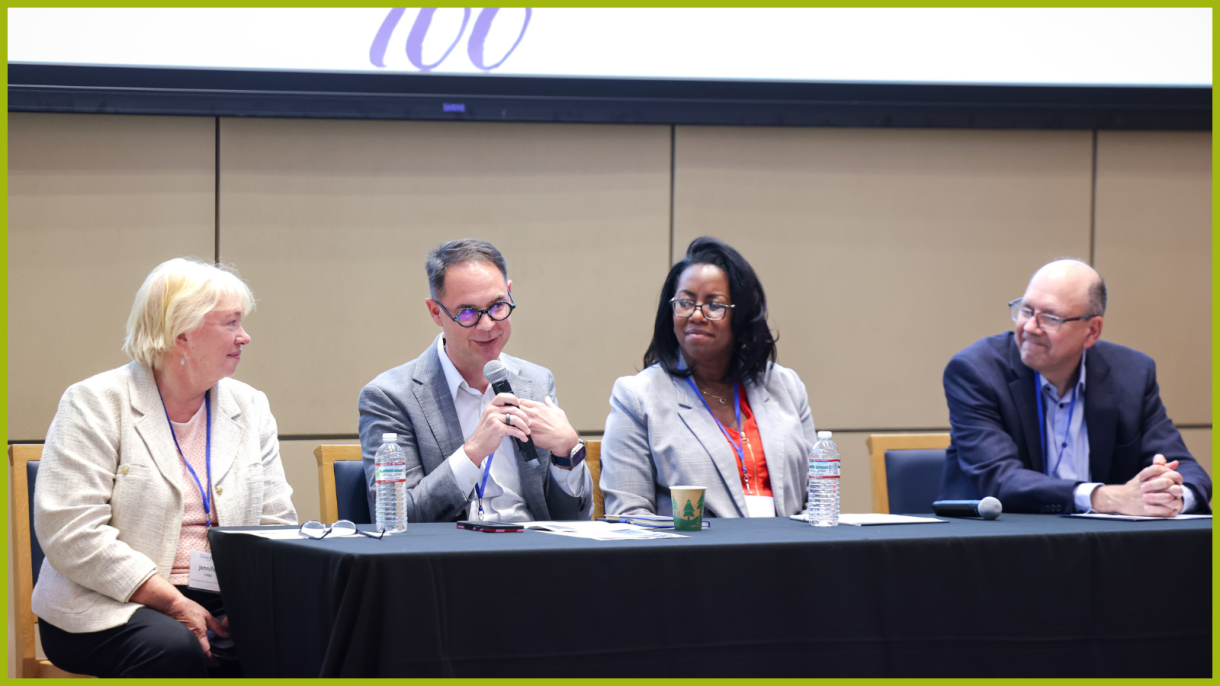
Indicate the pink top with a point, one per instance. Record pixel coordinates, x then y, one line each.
192 437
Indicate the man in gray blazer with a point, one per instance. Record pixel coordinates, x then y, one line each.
458 434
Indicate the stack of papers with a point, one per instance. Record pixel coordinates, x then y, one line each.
874 519
599 531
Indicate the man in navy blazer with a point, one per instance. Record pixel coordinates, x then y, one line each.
1105 442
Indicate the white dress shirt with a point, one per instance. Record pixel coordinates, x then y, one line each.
502 499
1066 441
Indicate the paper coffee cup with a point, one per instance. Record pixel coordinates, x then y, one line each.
688 507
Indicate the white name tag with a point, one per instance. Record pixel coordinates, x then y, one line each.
756 506
203 572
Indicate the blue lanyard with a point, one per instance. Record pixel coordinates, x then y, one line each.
738 447
207 501
1042 421
480 487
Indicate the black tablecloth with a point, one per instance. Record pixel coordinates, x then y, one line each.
1025 595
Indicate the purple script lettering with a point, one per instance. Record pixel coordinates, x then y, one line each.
419 30
415 39
478 36
382 39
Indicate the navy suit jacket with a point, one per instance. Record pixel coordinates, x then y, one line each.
996 450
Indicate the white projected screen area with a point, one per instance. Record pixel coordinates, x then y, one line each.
1137 47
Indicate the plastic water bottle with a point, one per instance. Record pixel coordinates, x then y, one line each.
390 473
823 506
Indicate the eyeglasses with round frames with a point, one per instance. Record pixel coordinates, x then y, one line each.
712 311
469 316
317 530
1049 323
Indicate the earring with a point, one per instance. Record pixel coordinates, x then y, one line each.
184 360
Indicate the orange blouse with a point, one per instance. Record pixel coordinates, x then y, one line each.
756 463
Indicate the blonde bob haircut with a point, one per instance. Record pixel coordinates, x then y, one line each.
174 299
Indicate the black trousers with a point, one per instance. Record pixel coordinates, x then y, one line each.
150 644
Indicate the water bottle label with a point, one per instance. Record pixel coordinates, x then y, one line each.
391 472
824 469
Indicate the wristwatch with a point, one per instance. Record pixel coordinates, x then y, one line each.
574 458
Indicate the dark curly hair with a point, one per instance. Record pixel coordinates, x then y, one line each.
754 343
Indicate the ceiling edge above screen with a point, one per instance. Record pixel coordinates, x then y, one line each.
334 95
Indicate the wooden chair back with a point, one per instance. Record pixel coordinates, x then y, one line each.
879 443
326 456
593 458
29 665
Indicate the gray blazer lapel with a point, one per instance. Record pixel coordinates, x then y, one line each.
706 429
533 474
772 441
432 392
153 425
523 388
227 432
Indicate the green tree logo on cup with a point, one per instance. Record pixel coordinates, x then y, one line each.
687 507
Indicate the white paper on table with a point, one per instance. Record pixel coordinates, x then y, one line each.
286 534
875 519
599 531
1136 518
282 534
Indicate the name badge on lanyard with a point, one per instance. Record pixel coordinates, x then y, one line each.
203 572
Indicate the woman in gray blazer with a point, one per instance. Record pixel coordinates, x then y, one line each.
711 408
138 463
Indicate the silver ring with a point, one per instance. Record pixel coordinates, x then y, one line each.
508 419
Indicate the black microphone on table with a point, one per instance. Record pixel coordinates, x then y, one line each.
987 508
497 374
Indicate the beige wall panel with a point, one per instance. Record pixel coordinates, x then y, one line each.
1199 443
301 470
884 252
95 202
1154 248
330 220
855 472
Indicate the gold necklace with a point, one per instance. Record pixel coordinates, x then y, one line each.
711 395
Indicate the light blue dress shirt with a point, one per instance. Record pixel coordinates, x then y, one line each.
1066 434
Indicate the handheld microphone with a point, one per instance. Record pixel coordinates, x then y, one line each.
987 508
497 374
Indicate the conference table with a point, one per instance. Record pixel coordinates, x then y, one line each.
1021 596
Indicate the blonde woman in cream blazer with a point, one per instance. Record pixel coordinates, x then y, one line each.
114 497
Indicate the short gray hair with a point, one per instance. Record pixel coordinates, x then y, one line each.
445 255
1097 290
1097 297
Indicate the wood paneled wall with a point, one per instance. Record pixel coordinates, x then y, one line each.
330 220
94 203
883 251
